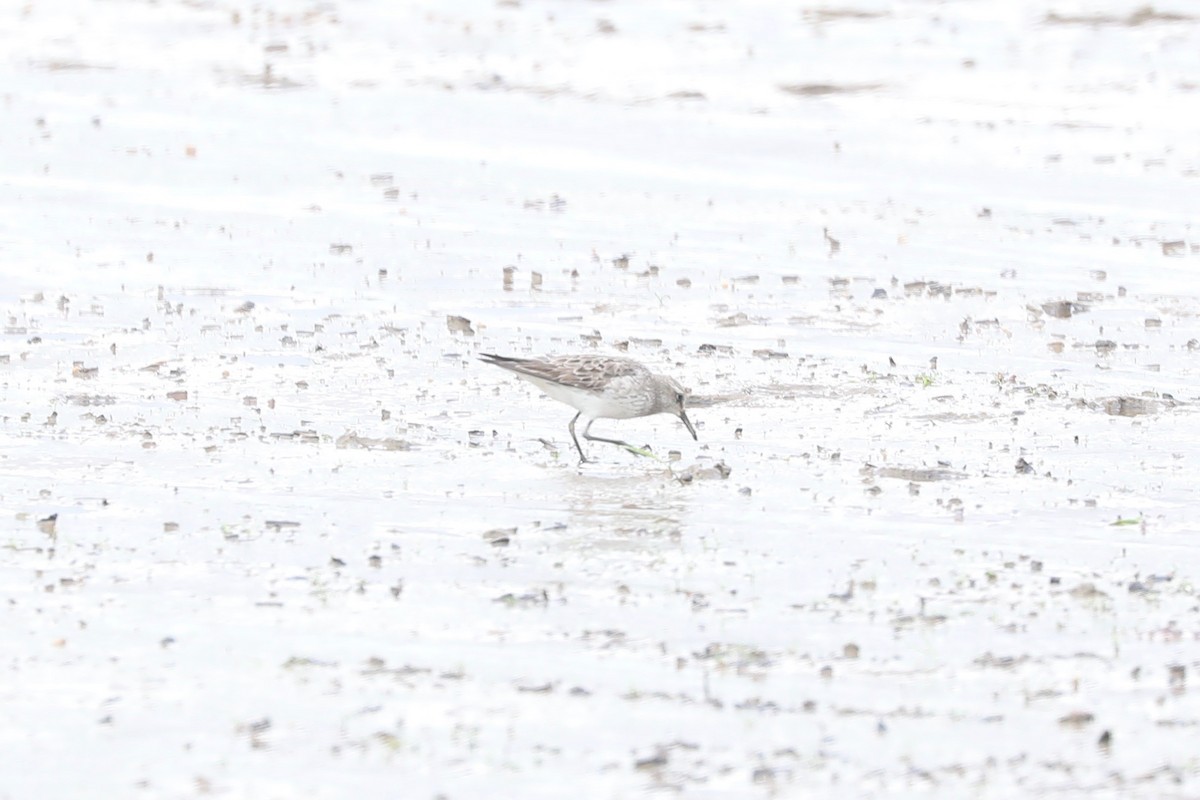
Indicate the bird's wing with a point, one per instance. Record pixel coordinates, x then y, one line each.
589 372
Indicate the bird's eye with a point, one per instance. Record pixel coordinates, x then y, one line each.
679 398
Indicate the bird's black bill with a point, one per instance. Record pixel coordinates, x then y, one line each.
688 423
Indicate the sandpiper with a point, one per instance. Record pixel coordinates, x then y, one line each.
610 387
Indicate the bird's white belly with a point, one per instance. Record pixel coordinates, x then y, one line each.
612 405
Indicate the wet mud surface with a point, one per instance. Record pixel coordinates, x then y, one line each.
273 530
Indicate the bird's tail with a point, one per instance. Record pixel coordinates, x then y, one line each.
499 361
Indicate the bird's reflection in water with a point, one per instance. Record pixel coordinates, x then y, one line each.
623 511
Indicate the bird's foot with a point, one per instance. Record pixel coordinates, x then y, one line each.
643 451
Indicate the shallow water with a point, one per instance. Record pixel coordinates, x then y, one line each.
273 531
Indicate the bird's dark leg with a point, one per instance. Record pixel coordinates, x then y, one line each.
571 428
591 438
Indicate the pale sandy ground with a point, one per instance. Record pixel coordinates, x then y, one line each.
306 546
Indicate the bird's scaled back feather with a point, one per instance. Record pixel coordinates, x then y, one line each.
589 372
